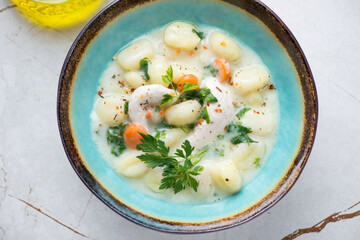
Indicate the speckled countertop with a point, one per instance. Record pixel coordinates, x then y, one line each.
41 197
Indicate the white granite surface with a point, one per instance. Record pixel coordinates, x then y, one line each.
41 197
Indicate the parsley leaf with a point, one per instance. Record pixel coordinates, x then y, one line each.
175 175
157 108
115 138
202 95
168 77
201 35
257 162
144 66
204 115
241 131
242 112
160 133
189 86
167 98
212 69
126 107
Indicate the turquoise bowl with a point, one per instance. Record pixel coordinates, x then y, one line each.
253 24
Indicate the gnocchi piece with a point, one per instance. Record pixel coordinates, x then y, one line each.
134 79
173 137
205 187
183 113
180 69
153 179
224 46
110 109
226 176
130 166
181 35
157 68
167 51
244 155
110 79
130 57
254 98
251 79
261 123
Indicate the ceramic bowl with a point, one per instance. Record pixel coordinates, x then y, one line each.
252 23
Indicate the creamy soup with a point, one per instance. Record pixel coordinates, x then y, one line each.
186 113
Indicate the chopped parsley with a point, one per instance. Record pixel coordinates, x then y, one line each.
257 162
115 138
157 108
211 69
201 35
242 112
202 95
126 107
160 133
176 174
242 133
144 66
204 115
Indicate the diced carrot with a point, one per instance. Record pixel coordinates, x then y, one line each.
162 112
132 136
224 69
117 108
205 47
191 53
148 115
188 78
177 50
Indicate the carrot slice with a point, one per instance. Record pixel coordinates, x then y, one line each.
188 78
224 69
132 136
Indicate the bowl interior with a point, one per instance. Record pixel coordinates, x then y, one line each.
131 24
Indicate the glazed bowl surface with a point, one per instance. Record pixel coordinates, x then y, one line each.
250 22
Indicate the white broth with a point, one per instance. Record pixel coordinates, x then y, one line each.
230 115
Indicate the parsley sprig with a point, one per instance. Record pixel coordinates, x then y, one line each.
175 175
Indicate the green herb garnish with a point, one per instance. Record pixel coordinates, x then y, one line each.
242 133
144 66
242 112
211 69
157 108
175 175
115 138
189 86
202 95
204 115
126 107
167 99
160 133
201 35
257 162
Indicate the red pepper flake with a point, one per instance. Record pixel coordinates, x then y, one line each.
231 83
271 87
117 108
148 115
121 112
100 94
132 90
191 53
205 47
200 121
220 110
223 44
208 104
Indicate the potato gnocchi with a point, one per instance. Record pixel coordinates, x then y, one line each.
187 83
